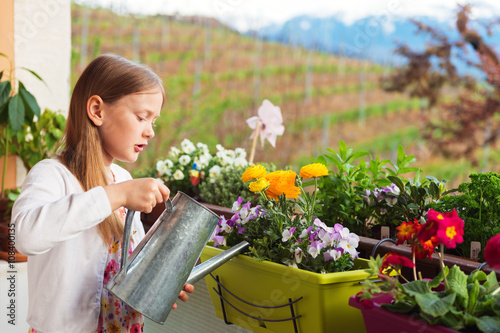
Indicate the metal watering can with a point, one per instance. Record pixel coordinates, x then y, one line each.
152 278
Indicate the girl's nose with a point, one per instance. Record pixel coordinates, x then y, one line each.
149 132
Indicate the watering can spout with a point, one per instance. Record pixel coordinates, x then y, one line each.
210 265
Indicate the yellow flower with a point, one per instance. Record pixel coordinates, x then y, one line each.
313 170
282 182
105 305
253 172
115 246
113 327
259 185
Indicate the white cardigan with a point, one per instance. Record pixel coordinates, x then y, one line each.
55 224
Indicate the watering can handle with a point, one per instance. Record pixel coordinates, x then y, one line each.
126 240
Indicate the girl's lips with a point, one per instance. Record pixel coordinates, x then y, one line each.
139 148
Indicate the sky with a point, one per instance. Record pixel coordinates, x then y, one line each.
251 14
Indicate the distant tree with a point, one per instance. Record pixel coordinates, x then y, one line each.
467 123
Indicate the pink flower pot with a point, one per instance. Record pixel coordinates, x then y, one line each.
380 320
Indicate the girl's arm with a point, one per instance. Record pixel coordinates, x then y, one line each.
52 209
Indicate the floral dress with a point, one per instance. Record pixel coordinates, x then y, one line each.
116 316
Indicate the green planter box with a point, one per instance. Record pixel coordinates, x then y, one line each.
320 301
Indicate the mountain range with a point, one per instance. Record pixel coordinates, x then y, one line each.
370 38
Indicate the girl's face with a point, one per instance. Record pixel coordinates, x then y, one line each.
127 125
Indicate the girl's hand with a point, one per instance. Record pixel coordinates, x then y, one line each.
137 194
183 296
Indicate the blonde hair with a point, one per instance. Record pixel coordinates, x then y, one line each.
111 77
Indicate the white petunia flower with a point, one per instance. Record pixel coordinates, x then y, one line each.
240 162
240 152
178 175
184 159
174 152
214 171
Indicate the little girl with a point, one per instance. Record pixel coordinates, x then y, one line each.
69 217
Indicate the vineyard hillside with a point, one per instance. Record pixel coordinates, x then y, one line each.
216 78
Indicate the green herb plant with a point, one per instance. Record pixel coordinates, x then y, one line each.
478 204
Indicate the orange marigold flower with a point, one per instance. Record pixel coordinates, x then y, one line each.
451 231
282 182
253 172
406 231
313 170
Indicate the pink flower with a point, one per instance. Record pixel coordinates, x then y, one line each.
110 270
450 231
270 122
136 328
492 252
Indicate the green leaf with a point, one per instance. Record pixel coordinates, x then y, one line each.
495 306
5 88
417 287
396 180
476 276
357 155
16 113
408 169
399 307
4 114
34 74
431 304
29 100
488 324
342 150
437 280
457 280
473 295
491 282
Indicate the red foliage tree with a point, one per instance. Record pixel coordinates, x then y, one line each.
467 123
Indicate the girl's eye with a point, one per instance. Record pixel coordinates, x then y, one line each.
141 118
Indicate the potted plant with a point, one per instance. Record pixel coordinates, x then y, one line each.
478 204
18 108
452 300
345 193
32 144
298 272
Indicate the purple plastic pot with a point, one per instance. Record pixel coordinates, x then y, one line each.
380 320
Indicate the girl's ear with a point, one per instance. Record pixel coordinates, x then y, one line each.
95 109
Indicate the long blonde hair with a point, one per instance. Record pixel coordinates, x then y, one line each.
111 77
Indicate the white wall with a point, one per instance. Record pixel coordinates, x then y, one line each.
42 43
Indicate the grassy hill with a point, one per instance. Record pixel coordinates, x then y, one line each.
216 78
